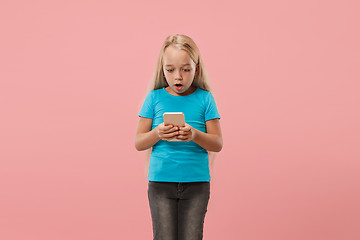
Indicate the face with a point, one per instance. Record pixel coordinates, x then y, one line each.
179 70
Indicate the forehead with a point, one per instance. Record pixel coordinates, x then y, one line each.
175 56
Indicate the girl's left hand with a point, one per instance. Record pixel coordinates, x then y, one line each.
186 133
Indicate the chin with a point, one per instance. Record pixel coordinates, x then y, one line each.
183 90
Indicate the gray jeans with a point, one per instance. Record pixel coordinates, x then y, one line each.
178 209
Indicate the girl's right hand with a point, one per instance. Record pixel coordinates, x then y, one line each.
167 132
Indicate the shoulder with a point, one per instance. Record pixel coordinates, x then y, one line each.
202 93
157 92
154 93
205 95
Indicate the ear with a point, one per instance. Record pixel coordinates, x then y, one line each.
197 69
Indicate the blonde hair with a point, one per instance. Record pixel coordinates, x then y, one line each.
182 42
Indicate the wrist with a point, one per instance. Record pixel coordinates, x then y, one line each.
194 132
156 133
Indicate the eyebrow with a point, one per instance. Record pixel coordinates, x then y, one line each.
169 65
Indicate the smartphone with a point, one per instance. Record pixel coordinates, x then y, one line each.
174 118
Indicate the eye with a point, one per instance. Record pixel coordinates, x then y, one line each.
169 70
187 70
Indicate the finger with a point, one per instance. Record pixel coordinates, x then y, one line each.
170 138
186 129
170 135
185 133
167 139
182 137
173 129
167 127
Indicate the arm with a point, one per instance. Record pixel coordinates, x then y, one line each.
145 137
211 140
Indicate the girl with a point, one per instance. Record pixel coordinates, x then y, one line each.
179 178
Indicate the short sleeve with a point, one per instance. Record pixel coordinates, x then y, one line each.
211 111
147 109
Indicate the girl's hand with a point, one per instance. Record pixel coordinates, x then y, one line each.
167 132
186 133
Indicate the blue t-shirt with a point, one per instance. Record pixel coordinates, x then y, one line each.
179 161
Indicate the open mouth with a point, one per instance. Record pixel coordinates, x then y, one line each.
178 86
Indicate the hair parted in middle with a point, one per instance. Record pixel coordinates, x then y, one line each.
181 42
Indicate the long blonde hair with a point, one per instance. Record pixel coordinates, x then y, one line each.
182 42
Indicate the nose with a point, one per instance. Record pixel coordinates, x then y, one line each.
178 74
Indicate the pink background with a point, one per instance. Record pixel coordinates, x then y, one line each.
286 80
